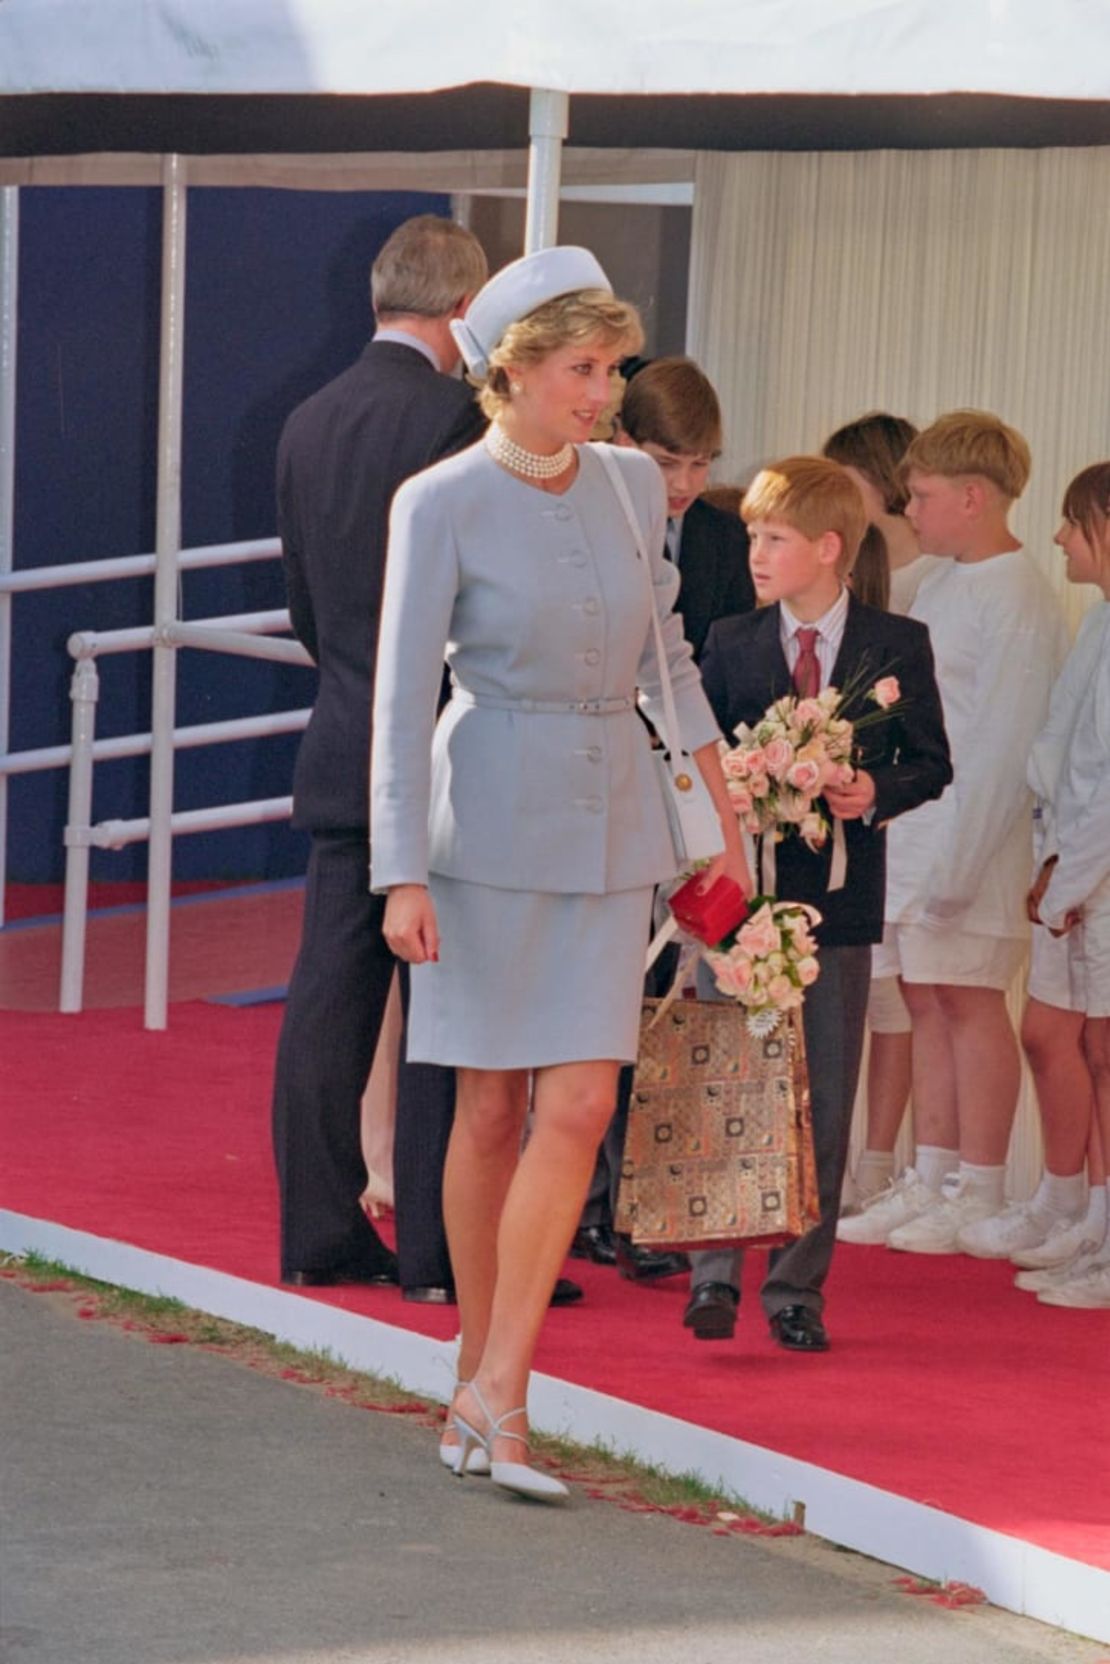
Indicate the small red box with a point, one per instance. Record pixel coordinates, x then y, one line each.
709 916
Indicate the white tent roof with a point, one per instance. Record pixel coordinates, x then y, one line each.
1023 48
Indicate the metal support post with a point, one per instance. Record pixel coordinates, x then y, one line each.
84 691
548 125
167 549
9 282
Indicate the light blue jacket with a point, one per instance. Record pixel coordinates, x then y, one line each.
540 606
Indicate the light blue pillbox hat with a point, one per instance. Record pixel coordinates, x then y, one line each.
518 289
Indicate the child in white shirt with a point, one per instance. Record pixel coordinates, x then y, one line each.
958 868
1067 1022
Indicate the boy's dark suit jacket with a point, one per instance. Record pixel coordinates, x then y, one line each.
713 563
744 669
342 456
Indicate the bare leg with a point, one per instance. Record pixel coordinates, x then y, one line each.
571 1107
889 1077
987 1069
1096 1046
481 1159
935 1105
1053 1043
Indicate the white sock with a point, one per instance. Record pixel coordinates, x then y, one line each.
933 1164
1102 1255
1098 1209
1060 1196
987 1182
874 1169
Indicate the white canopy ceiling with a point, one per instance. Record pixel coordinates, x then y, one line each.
1058 49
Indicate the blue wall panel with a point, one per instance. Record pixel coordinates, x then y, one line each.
277 302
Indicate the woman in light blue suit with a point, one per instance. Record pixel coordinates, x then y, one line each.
520 838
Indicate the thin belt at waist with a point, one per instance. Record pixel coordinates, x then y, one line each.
555 707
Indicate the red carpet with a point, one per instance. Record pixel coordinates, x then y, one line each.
222 941
944 1385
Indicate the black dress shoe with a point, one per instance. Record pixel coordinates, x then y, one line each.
380 1272
711 1312
594 1242
565 1293
430 1294
799 1329
642 1265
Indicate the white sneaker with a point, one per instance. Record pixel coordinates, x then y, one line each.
896 1205
1018 1226
1088 1291
1051 1276
1067 1238
937 1230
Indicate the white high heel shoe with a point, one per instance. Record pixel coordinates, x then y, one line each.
511 1476
477 1458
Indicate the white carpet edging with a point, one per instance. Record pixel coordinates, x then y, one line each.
926 1541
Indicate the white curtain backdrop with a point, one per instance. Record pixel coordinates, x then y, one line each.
826 285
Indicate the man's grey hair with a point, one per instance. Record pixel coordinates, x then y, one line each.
425 268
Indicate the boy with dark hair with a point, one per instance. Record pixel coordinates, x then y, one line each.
670 411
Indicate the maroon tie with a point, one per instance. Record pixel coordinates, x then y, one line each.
807 670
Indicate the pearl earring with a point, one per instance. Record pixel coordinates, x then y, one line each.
516 387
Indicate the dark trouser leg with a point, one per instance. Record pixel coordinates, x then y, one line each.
833 1017
334 1011
425 1114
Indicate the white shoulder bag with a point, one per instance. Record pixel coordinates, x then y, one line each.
694 821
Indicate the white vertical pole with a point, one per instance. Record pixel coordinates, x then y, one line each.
167 551
9 288
548 124
84 691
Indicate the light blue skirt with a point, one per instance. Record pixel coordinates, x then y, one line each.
526 979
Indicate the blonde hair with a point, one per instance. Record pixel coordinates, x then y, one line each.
814 496
972 442
426 268
580 318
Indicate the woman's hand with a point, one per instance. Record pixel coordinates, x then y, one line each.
409 925
732 862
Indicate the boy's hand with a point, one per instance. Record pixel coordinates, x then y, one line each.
1071 919
1036 895
853 800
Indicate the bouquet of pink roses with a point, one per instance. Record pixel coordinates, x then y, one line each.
780 768
768 961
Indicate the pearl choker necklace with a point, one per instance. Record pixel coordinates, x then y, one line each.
532 466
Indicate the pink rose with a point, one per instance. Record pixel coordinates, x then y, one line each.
758 785
777 757
779 990
732 975
809 711
804 777
808 970
886 692
759 936
739 796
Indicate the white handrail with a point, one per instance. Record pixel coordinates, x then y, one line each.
135 566
138 745
90 644
214 640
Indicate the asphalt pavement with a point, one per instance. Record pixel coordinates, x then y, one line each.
167 1505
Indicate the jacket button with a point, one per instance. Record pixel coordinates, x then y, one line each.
591 607
594 805
592 656
562 512
593 752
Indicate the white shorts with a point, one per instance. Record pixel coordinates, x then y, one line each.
955 957
887 1012
1072 972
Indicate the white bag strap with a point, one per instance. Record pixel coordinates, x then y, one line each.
672 732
